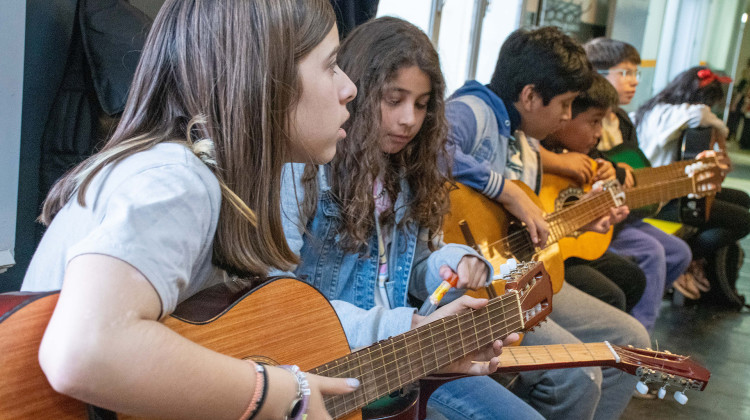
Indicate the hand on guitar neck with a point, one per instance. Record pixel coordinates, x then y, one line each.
518 203
604 223
489 354
723 163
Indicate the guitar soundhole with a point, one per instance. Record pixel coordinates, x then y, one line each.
568 197
520 246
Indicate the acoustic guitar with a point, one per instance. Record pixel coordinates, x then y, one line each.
484 224
283 321
694 141
695 178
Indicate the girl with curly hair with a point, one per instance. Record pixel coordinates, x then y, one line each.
372 216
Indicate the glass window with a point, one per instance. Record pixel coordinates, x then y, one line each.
414 11
501 19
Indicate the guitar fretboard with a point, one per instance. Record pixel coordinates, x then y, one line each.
570 219
660 192
390 364
674 170
557 355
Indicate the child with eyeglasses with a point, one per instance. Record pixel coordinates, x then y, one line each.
662 257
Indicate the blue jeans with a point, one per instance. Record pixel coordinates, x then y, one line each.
661 256
589 392
475 398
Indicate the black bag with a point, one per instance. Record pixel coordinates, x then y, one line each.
722 271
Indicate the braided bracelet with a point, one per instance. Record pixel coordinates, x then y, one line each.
259 394
298 408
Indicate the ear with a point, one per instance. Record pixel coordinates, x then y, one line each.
527 97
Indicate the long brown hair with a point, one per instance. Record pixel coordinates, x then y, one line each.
371 56
221 77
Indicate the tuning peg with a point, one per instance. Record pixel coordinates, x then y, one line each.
504 270
642 388
680 397
662 392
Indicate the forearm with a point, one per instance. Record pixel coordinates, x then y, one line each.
552 163
175 379
104 346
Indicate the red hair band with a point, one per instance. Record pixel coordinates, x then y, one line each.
706 76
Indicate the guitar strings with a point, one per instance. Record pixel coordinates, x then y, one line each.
656 192
439 350
520 240
369 393
502 309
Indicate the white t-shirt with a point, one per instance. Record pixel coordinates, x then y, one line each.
662 127
156 210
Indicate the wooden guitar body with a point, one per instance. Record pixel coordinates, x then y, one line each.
556 193
269 315
490 224
282 321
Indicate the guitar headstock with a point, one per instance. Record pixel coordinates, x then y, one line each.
664 369
532 282
706 174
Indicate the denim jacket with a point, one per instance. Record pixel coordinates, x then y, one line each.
349 279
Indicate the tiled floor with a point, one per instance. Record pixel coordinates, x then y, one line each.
719 340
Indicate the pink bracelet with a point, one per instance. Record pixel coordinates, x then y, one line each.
258 394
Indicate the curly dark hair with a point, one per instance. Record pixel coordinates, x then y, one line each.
371 56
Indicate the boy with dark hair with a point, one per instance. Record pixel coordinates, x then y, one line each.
493 137
607 53
581 135
661 256
618 62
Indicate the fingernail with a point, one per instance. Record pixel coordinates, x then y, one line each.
352 382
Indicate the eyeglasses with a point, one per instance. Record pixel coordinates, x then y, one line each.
636 74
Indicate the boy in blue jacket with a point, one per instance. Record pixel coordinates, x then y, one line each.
493 137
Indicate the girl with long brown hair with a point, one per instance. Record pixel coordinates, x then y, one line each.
375 212
224 94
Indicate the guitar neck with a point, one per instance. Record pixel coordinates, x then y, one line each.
564 222
648 175
521 358
673 170
393 363
659 192
658 185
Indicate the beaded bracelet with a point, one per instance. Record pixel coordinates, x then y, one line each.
298 408
259 394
